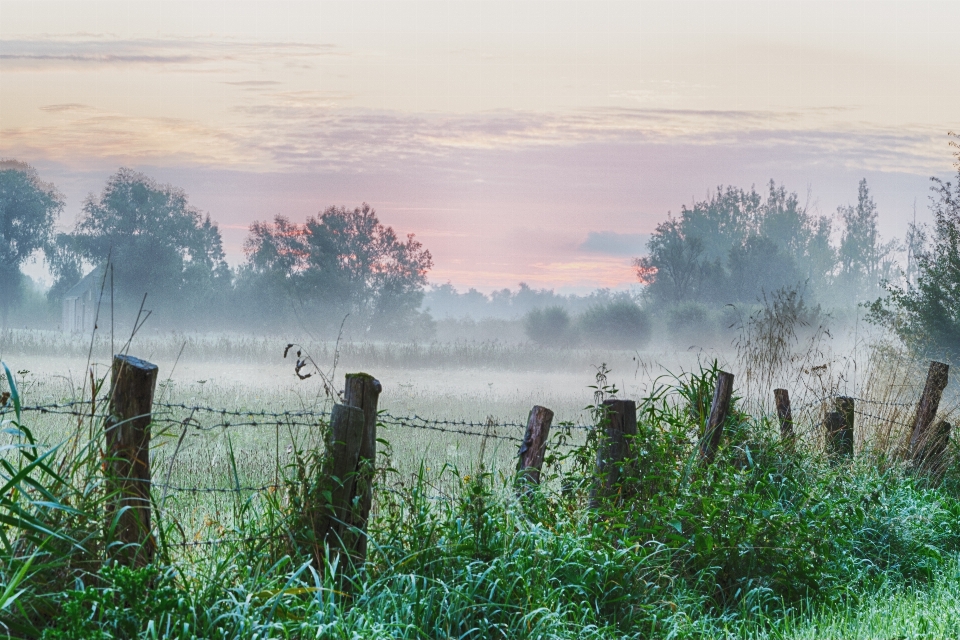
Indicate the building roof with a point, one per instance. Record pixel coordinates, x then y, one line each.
92 280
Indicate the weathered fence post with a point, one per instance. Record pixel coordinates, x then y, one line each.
839 428
534 447
719 409
620 423
339 472
363 390
782 400
930 455
127 464
937 377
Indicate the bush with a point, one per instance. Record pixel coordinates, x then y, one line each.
549 326
621 322
690 322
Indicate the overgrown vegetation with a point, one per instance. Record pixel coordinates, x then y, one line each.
767 539
924 311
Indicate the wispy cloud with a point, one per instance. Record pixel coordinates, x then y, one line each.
314 130
63 108
96 51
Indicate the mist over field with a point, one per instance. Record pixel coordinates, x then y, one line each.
582 319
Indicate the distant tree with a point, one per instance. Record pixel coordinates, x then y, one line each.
725 220
864 261
925 311
28 209
858 245
342 261
735 245
674 268
550 326
759 265
619 322
65 264
156 241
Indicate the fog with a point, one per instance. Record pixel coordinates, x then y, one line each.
141 254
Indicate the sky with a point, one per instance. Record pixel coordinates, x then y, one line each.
520 141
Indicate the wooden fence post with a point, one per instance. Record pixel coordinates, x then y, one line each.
839 428
782 399
719 410
127 464
534 447
336 485
930 455
613 455
937 377
363 390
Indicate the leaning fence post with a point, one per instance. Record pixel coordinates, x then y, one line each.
782 399
839 427
719 409
363 390
620 423
937 377
534 446
127 464
340 466
931 451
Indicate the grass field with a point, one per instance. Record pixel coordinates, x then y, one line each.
455 555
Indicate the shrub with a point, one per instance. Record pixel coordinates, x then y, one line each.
690 322
622 322
548 326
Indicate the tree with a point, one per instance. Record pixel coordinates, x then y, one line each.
925 313
674 268
28 209
864 261
757 266
156 241
341 262
734 246
619 322
548 326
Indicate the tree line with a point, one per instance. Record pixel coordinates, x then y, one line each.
738 244
341 263
733 247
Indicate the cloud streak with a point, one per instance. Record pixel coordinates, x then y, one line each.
94 52
310 130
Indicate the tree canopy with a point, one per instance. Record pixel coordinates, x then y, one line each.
340 262
736 245
28 209
156 241
924 310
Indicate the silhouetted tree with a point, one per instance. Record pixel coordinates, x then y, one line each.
734 246
342 261
28 209
860 251
925 311
156 241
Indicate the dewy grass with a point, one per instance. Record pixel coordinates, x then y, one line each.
769 541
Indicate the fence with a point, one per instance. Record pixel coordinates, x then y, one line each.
351 447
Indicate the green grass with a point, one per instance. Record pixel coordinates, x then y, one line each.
770 541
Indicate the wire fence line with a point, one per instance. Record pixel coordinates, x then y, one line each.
163 414
195 417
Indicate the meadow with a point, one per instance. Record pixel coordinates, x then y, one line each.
769 541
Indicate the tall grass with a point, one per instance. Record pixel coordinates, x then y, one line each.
770 540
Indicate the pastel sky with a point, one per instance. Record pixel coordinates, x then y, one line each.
521 141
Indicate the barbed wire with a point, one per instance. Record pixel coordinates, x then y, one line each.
302 413
56 408
418 422
883 419
217 541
